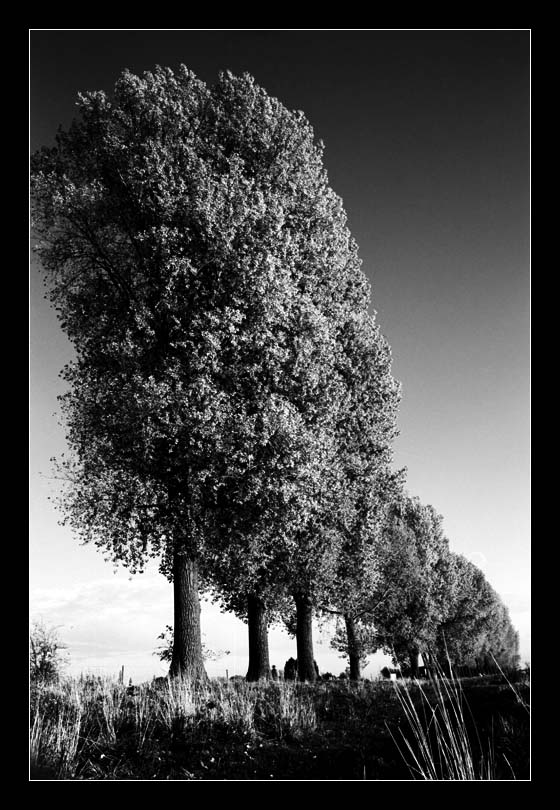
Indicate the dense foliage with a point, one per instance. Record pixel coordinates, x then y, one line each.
231 409
201 266
426 600
477 631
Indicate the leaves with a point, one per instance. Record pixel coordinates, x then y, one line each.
231 395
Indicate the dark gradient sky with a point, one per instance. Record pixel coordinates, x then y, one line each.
427 142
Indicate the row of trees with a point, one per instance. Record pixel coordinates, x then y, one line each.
426 599
230 408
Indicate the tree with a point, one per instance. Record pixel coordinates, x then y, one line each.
414 582
477 631
333 565
186 232
275 508
365 430
501 644
332 562
358 587
47 658
360 584
356 639
115 205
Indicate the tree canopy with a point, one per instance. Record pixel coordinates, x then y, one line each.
231 409
201 265
424 599
477 630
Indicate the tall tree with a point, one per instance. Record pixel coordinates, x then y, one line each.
340 577
280 538
333 561
414 581
500 646
124 209
199 263
358 586
477 630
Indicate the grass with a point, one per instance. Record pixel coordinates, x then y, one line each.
97 729
444 740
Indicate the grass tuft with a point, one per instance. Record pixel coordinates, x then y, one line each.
443 740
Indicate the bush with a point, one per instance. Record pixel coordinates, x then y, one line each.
47 658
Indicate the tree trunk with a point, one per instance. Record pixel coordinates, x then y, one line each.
413 652
186 659
428 663
259 662
304 639
353 647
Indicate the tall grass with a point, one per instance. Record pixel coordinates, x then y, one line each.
97 728
56 724
442 740
77 722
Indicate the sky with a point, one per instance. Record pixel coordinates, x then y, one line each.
427 142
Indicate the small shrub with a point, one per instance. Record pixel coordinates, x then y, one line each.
47 658
290 669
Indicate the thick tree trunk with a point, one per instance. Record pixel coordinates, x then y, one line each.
304 639
353 647
413 652
186 659
259 662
